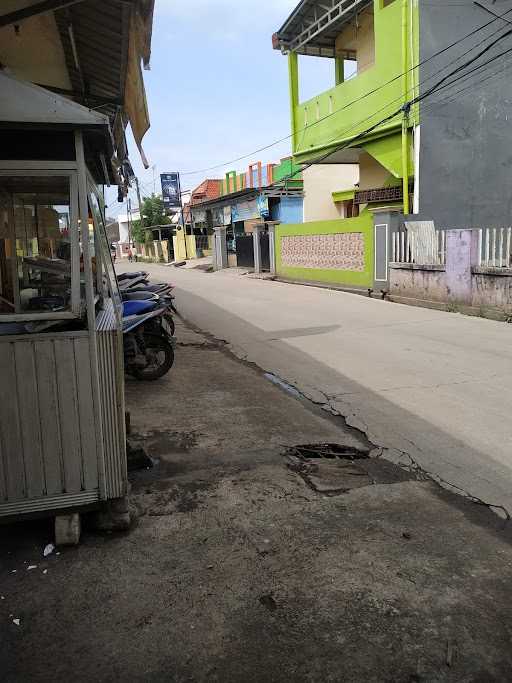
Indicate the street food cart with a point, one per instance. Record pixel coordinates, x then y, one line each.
62 433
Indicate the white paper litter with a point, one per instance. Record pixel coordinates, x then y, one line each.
31 566
44 571
16 621
48 550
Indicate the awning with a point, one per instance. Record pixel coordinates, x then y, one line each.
23 102
314 25
87 50
343 195
388 152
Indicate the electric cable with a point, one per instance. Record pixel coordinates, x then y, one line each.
371 92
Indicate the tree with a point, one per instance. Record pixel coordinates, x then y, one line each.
152 214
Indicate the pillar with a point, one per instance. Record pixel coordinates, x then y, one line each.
272 247
257 231
221 248
293 75
461 256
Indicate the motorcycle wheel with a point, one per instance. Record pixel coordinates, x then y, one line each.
170 321
162 354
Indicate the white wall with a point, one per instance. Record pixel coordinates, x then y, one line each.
122 219
320 181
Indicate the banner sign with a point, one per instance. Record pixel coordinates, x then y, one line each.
244 211
171 193
199 216
221 216
262 202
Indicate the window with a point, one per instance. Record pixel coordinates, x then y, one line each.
350 210
35 244
102 264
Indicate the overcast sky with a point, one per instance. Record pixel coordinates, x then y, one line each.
217 90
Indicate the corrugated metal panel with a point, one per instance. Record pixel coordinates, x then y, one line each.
112 402
47 444
49 503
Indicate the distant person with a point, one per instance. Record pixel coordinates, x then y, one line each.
130 255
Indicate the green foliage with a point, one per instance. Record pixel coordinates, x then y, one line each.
139 233
153 212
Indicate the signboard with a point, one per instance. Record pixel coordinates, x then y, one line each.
221 216
245 210
262 203
171 192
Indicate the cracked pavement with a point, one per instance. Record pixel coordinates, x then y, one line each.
236 570
436 386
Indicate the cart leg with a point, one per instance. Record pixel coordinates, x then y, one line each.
113 516
67 529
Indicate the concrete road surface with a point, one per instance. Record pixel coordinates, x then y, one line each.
426 386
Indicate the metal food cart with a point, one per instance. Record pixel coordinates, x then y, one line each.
62 426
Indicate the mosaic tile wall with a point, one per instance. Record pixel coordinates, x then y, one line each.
341 251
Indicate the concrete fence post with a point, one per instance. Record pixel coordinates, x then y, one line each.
257 231
220 255
272 247
461 256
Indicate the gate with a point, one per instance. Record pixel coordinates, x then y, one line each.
244 251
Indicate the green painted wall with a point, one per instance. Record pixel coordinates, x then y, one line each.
286 169
363 224
330 130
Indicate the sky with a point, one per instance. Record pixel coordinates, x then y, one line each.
217 90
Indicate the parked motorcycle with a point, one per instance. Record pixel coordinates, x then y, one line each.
126 277
135 303
148 344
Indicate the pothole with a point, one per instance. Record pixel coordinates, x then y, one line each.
329 468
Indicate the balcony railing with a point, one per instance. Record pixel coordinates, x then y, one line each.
337 116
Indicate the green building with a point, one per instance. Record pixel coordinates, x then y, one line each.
420 101
360 120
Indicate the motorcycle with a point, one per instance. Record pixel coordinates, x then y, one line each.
135 303
148 344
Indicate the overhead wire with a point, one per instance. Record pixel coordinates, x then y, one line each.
375 90
442 84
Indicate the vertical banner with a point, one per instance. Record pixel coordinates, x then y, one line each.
171 191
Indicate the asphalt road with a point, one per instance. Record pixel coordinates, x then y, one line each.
425 385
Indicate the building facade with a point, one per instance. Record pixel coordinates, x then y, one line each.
419 103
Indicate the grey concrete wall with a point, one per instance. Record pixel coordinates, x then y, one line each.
429 283
415 282
466 142
495 288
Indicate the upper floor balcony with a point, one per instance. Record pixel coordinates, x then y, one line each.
373 46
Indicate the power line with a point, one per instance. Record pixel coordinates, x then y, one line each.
400 110
371 92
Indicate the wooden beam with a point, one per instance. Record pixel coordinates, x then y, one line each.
32 11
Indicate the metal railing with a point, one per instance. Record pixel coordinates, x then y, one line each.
429 250
495 247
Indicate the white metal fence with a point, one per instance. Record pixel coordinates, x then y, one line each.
495 247
427 249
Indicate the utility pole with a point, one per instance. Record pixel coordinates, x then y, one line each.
130 222
139 199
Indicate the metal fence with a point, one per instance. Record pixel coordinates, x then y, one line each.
495 247
427 249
